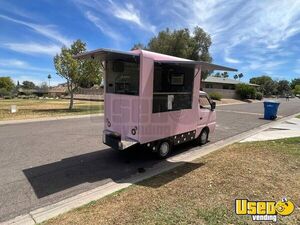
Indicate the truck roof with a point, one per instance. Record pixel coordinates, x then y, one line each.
110 54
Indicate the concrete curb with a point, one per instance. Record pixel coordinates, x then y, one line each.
47 212
8 122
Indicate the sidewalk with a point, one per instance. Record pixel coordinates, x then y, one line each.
7 122
286 129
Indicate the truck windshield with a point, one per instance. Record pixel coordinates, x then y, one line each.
204 102
122 77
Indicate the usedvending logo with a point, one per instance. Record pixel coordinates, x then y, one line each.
264 210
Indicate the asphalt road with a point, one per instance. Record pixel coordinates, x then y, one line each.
44 162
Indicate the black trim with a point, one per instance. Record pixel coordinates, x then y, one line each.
112 140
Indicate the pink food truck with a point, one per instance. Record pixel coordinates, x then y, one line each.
154 100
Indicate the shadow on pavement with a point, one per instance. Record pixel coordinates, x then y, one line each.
104 165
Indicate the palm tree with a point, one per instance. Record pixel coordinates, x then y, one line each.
49 78
240 75
225 74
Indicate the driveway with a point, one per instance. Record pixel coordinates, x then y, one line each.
44 162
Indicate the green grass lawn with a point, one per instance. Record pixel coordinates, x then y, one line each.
34 108
204 191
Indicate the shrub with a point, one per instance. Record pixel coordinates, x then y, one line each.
3 92
259 96
215 96
246 91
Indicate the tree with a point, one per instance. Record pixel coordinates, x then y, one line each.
266 85
88 83
240 75
245 91
225 74
28 85
6 83
235 76
295 82
181 43
217 75
73 70
283 87
138 46
296 90
44 87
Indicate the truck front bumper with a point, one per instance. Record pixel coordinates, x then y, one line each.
114 141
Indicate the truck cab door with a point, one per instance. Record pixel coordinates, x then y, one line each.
204 111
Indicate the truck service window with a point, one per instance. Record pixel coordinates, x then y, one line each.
122 77
172 87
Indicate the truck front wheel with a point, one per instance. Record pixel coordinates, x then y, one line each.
164 149
203 137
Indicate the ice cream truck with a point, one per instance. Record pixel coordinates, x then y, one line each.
154 100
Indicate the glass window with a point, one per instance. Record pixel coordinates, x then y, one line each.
122 77
204 102
226 86
172 87
208 86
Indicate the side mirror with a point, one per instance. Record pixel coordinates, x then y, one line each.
213 106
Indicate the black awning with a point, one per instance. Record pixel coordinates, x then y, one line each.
107 55
204 65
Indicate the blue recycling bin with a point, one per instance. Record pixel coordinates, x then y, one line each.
271 108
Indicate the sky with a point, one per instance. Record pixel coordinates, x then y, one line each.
256 37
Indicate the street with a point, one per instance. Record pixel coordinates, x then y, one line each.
44 162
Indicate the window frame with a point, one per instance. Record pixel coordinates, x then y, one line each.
185 67
208 99
125 61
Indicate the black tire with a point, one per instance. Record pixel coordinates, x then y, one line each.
203 137
164 149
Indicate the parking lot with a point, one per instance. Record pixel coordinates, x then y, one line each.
44 162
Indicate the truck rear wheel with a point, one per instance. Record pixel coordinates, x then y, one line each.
164 149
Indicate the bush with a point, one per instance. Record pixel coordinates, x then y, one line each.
259 96
246 91
4 92
215 96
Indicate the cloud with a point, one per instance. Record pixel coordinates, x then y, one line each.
131 14
12 62
231 60
258 33
126 12
19 64
101 25
238 22
48 31
262 65
33 48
